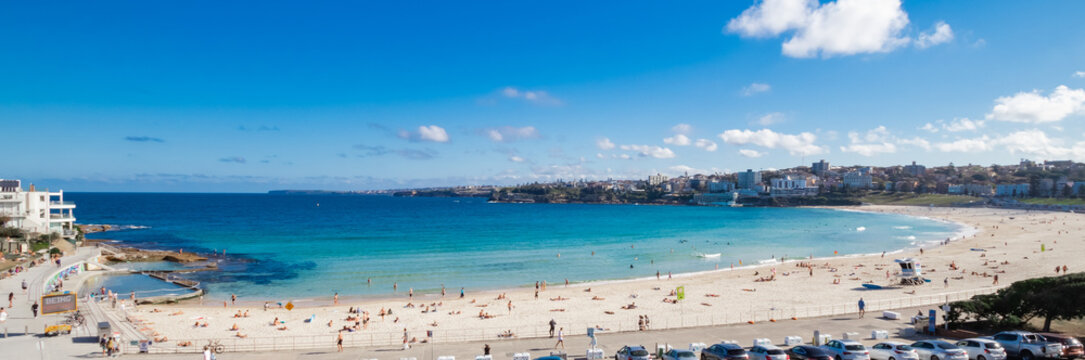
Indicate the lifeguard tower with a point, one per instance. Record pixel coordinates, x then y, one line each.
911 273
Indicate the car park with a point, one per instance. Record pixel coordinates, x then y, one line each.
679 354
1071 347
1026 345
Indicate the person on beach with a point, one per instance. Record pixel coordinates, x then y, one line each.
561 339
4 319
486 349
536 294
442 290
233 299
34 309
335 299
410 293
510 306
24 286
996 280
862 308
552 324
11 299
339 342
946 281
461 293
395 286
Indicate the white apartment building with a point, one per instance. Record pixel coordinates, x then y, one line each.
36 212
656 179
794 185
858 180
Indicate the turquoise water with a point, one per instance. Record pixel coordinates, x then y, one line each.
303 246
143 285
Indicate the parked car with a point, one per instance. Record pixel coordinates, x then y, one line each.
1071 347
891 350
767 352
1026 345
635 352
982 349
846 350
808 352
679 354
938 350
724 351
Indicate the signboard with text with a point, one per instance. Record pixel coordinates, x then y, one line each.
60 303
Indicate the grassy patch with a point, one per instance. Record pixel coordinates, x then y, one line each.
1054 201
918 199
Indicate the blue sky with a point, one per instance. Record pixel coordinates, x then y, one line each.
206 96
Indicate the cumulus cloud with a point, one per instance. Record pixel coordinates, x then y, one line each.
966 145
516 159
707 145
1080 74
678 139
1033 107
842 27
653 151
604 144
770 119
1032 142
942 34
963 124
143 139
432 133
750 153
539 97
510 133
928 127
875 141
755 88
684 129
800 144
917 142
233 159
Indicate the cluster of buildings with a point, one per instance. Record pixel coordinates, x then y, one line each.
35 212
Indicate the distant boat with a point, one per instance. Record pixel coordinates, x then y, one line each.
716 255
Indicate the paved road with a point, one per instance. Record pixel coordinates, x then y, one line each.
23 338
576 346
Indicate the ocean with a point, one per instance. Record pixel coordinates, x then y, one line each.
307 246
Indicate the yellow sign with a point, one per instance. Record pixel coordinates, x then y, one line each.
681 292
289 306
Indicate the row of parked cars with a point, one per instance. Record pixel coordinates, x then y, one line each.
1017 344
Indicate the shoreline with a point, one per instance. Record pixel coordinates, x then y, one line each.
963 230
725 296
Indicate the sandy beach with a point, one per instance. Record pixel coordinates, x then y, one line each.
1010 240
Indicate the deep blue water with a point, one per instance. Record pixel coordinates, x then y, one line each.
288 246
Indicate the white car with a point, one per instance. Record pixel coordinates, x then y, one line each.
982 349
767 352
891 350
678 354
939 350
846 350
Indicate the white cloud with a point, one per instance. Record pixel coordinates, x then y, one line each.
929 128
679 140
942 34
842 27
516 159
750 153
654 151
600 155
1080 74
533 96
801 144
432 133
755 88
966 145
684 169
1033 142
509 133
963 124
770 118
917 142
604 144
684 129
1032 107
874 142
707 145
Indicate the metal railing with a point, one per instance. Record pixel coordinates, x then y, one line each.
366 338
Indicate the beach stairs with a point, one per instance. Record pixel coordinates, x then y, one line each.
792 340
695 347
595 354
521 356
